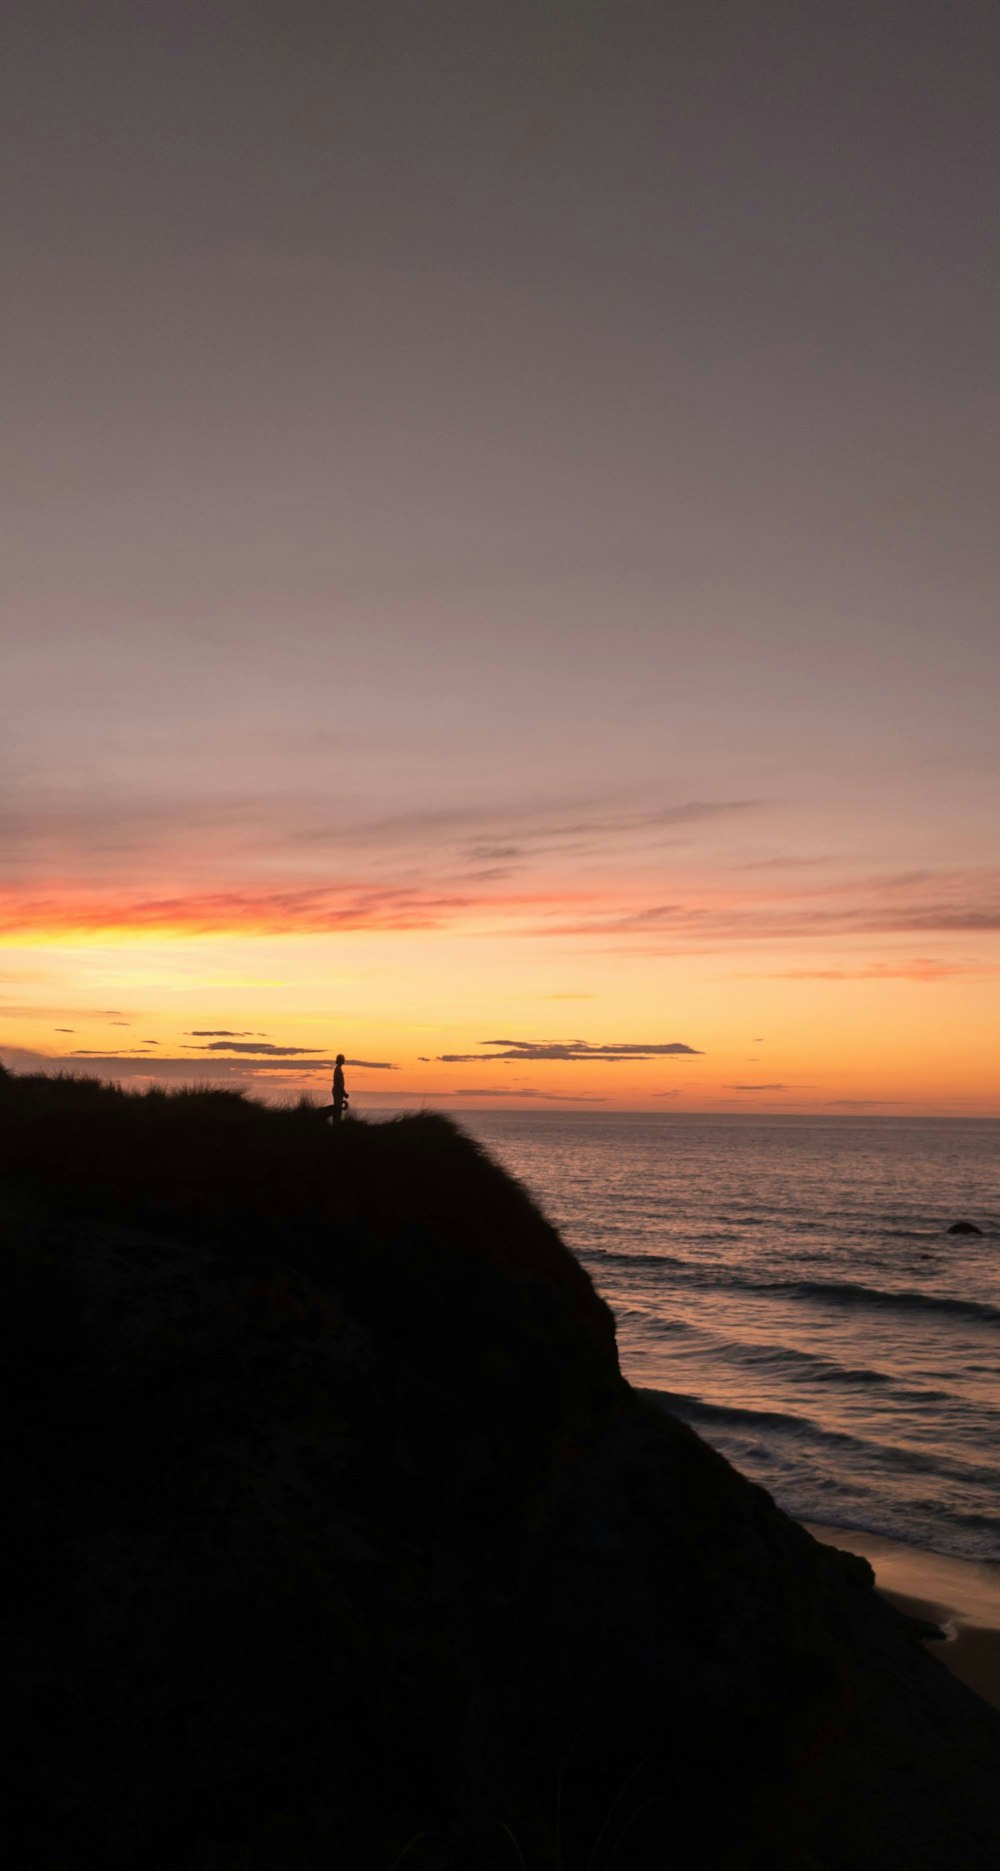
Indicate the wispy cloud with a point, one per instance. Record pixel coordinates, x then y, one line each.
60 1013
222 1032
289 863
262 911
922 968
102 835
785 863
151 1068
770 1088
157 1065
563 1051
937 906
258 1048
63 1059
859 1104
593 826
620 873
514 1091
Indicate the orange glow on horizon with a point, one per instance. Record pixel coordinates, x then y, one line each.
835 1032
820 988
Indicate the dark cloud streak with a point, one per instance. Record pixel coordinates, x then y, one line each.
564 1052
257 1048
513 1091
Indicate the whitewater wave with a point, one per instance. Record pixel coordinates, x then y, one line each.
811 1367
729 1416
713 1276
857 1293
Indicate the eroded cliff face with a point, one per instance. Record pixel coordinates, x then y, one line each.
341 1540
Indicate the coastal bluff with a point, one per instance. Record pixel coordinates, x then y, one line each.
341 1541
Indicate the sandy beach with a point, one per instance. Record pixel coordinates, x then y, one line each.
962 1596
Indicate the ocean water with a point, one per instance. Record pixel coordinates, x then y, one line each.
789 1287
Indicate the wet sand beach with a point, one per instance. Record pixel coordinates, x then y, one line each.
960 1595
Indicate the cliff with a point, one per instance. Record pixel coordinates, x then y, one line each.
341 1541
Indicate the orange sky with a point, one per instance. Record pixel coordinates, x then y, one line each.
846 992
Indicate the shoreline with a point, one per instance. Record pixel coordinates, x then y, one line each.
962 1596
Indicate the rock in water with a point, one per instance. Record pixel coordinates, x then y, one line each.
964 1227
342 1541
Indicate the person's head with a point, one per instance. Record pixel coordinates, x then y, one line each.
339 1059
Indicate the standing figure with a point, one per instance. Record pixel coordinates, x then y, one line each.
340 1098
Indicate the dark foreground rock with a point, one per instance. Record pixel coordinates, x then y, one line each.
341 1542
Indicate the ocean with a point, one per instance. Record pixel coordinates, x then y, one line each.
788 1286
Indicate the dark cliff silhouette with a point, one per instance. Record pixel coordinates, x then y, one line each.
342 1540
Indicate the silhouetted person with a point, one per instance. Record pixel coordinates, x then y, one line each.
340 1098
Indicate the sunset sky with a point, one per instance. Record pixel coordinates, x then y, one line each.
500 569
